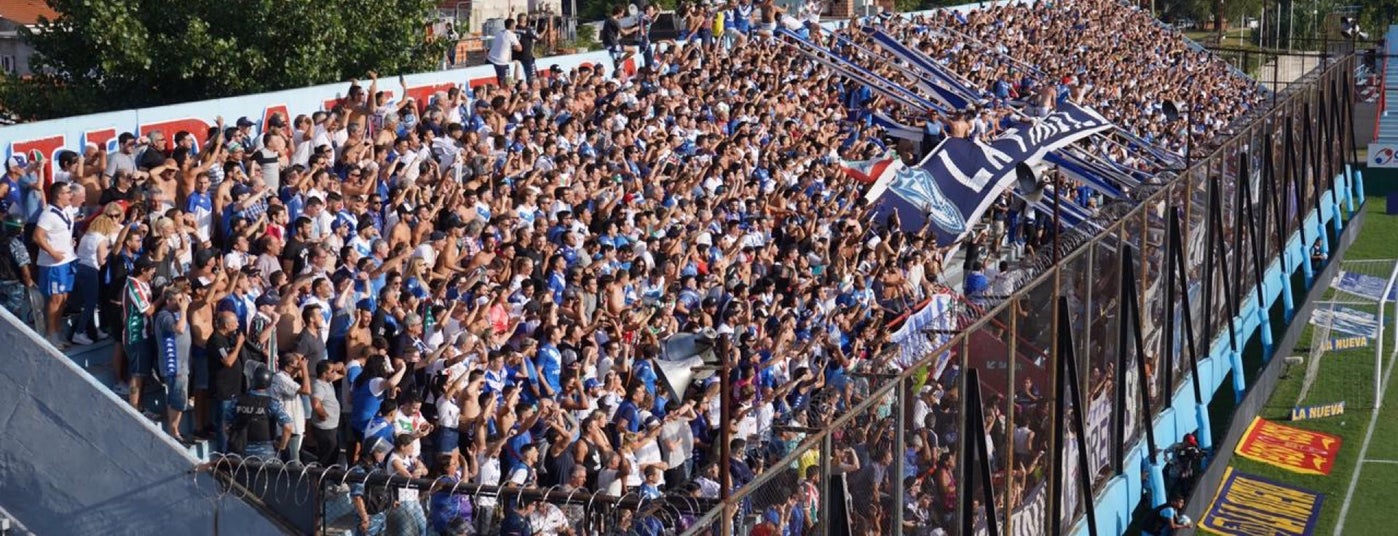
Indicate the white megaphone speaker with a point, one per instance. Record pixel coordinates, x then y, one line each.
680 356
1027 184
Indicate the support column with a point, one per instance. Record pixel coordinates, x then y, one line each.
1359 184
900 454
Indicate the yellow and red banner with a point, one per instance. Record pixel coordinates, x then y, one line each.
1294 449
1248 505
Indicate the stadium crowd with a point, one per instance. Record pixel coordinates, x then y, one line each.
475 287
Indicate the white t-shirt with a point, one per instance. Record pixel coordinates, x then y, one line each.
58 226
502 50
448 414
489 475
88 247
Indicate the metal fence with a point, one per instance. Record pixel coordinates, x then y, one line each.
1197 248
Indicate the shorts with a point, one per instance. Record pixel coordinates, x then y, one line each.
140 358
448 439
199 367
767 27
177 392
55 280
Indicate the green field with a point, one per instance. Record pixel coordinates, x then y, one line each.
1347 375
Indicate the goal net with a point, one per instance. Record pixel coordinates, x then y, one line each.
1352 332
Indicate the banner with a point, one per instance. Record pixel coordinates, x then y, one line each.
914 343
1318 412
870 171
954 185
1363 285
1248 505
1294 449
1383 155
1345 343
1029 518
1346 320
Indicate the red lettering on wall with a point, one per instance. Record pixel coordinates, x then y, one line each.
101 138
48 147
198 127
423 94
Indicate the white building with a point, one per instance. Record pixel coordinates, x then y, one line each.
15 17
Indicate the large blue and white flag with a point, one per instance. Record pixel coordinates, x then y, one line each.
954 185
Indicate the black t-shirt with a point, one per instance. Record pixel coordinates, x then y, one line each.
527 37
611 32
227 381
296 251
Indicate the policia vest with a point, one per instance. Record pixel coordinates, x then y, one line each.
252 422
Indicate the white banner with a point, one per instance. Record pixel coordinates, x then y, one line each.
914 344
1383 155
1028 518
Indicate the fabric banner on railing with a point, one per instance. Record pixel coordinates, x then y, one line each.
961 177
913 340
1029 518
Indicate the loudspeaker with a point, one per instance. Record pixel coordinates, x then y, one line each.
1027 183
679 356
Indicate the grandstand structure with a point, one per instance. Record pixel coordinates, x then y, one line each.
1107 345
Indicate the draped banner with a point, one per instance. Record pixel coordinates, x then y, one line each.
914 342
1030 518
961 177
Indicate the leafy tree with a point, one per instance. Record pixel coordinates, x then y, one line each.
114 54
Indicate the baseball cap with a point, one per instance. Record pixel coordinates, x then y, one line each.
364 305
245 122
16 161
436 235
267 299
591 383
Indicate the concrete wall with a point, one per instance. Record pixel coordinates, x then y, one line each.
76 460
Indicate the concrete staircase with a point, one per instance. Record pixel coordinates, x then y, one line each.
1388 120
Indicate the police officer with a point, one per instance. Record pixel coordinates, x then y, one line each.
253 414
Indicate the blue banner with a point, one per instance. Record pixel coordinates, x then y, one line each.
959 179
1367 286
1347 320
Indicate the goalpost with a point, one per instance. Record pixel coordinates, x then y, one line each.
1354 321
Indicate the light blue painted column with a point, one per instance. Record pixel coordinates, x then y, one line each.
1205 435
1264 325
1155 481
1359 184
1288 299
1305 257
1235 358
1349 189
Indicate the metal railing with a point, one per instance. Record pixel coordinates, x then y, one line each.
1287 153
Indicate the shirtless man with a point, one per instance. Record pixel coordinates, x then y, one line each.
360 339
201 324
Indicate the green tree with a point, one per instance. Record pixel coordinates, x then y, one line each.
116 54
